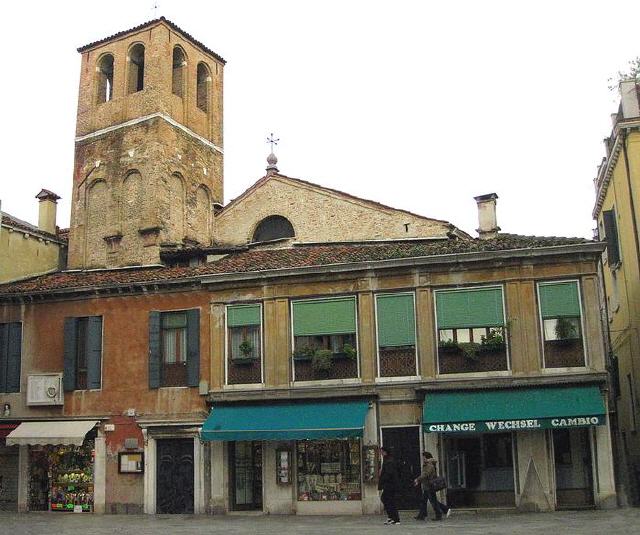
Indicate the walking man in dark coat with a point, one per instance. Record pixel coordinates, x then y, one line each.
389 484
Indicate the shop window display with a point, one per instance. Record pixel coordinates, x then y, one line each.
329 470
61 478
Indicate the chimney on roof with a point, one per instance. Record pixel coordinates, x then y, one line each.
47 211
487 224
630 98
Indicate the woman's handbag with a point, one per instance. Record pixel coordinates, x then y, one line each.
438 483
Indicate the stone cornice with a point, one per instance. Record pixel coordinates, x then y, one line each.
138 120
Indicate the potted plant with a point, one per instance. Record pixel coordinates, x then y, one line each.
566 332
493 343
304 352
322 360
448 346
246 348
470 350
349 351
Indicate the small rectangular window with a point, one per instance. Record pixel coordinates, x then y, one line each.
83 353
244 344
396 330
324 344
173 334
471 330
561 318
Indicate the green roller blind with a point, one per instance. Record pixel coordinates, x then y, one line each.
324 316
242 315
396 320
559 300
469 308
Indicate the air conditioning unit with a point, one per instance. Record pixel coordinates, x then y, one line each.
45 389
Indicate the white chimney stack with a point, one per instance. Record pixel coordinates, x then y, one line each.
630 99
487 224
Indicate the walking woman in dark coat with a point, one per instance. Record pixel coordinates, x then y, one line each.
389 484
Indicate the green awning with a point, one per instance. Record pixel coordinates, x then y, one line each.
396 320
243 315
513 409
559 300
293 420
473 307
313 317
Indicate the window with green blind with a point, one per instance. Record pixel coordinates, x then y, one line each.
559 300
243 315
324 316
396 320
482 307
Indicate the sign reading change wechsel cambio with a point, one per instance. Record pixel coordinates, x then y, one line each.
489 426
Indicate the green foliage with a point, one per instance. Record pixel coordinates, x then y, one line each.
493 342
304 352
322 360
349 351
449 346
470 349
565 329
246 348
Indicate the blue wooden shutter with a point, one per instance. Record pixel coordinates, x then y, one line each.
4 355
70 351
193 347
14 352
94 352
154 349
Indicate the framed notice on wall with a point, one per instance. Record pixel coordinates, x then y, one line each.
131 462
283 467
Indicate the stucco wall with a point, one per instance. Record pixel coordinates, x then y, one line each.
23 254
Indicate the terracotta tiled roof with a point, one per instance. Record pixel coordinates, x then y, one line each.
19 224
145 25
260 260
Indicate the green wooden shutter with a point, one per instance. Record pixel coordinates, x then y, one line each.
396 320
324 316
70 351
94 352
469 308
4 355
154 349
14 352
193 347
243 315
611 235
559 300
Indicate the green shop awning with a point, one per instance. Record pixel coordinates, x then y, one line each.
513 409
293 420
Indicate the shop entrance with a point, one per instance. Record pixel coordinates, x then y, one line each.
245 463
174 476
480 470
8 478
405 444
574 476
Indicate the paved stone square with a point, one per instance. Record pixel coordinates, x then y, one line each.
559 523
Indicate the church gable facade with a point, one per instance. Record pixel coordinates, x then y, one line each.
317 214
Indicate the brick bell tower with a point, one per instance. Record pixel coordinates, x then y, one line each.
148 148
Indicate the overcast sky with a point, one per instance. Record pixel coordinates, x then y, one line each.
419 105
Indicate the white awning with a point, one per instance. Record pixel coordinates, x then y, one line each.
50 433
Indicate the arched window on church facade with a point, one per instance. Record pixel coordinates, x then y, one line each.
178 72
135 76
203 87
272 228
105 78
